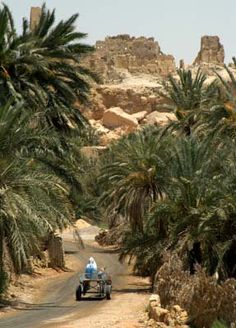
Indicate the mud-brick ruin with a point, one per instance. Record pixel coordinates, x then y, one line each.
137 55
35 14
211 52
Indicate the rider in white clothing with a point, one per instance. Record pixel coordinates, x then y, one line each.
91 267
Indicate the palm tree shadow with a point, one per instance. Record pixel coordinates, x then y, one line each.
132 290
107 251
23 306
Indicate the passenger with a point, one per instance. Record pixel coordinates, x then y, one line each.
102 273
91 268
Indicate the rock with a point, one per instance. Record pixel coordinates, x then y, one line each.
161 314
115 117
98 112
130 100
177 308
159 118
140 115
151 323
99 127
154 300
113 135
161 325
176 317
144 100
158 313
212 51
152 99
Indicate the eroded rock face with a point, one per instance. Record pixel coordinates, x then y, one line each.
212 51
136 55
131 100
115 117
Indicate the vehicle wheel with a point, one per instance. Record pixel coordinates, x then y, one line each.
78 293
85 288
108 292
102 290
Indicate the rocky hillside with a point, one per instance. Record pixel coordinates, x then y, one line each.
132 71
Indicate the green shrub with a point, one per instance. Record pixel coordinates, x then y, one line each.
219 324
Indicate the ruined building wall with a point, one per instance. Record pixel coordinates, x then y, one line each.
211 52
35 13
137 55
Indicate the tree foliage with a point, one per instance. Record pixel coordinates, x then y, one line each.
43 67
176 191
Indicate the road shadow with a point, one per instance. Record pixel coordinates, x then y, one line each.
106 251
132 290
22 306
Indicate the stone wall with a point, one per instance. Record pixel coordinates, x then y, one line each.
131 100
137 55
56 251
211 52
35 13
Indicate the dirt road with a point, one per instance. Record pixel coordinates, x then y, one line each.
57 306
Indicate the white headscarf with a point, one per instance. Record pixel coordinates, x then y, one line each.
91 260
92 263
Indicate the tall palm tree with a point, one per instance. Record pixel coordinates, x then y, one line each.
43 67
195 215
33 201
171 222
185 95
135 177
221 117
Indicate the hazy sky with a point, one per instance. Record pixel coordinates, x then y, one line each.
176 24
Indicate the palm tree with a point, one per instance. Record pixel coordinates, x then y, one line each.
43 67
186 95
171 222
221 117
33 201
135 177
199 212
195 215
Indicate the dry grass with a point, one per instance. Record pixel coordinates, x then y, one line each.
204 299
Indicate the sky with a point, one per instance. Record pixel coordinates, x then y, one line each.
177 25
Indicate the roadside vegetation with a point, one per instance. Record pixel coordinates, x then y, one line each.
174 188
42 85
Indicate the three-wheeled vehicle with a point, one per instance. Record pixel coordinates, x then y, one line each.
96 283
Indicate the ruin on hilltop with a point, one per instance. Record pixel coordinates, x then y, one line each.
211 51
134 54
